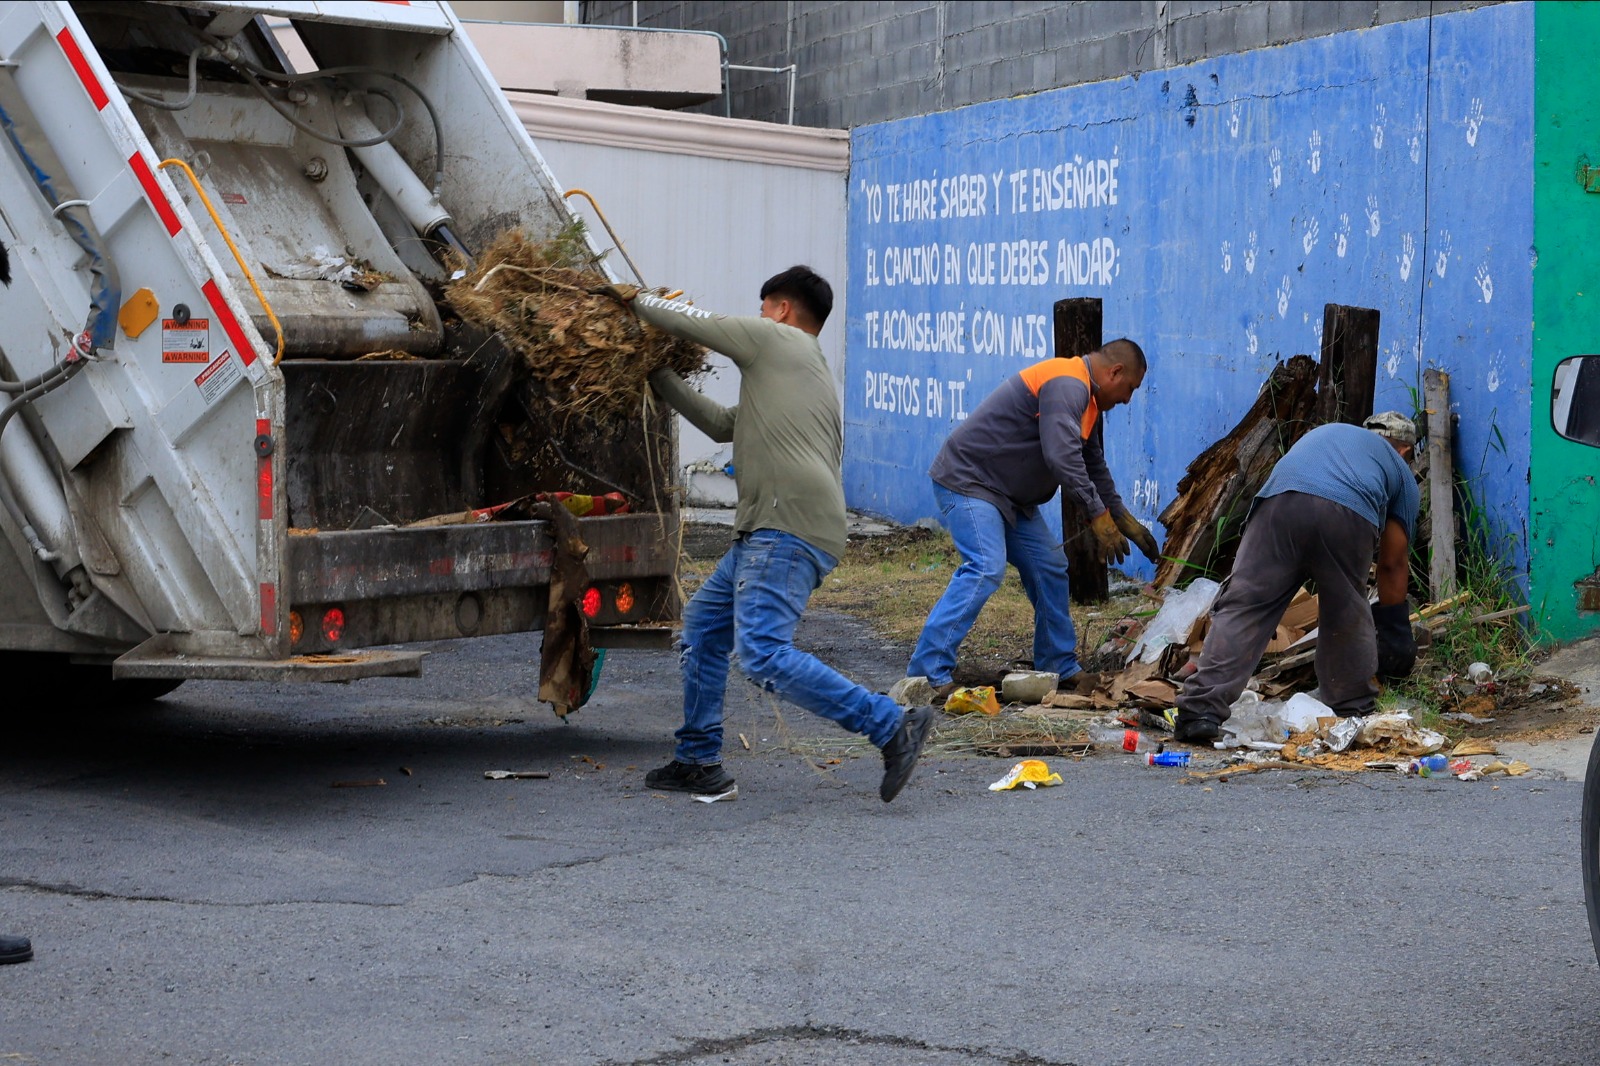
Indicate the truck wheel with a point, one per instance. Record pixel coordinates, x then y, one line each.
1591 844
93 688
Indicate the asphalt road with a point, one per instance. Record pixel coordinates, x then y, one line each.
199 892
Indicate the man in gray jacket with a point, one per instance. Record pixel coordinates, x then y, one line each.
788 445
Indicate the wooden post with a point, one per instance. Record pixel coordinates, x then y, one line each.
1441 485
1078 326
1349 364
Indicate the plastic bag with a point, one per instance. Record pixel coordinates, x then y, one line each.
980 699
1029 773
1178 614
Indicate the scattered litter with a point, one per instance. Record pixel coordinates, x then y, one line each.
1028 686
1029 773
1468 718
980 699
530 775
1515 768
1179 612
745 741
369 783
1474 746
1428 765
1166 758
730 795
1480 673
1400 732
406 770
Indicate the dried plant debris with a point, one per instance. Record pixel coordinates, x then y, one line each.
590 354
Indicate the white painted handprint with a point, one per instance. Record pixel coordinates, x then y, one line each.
1441 261
1284 288
1374 224
1485 282
1341 238
1251 343
1493 380
1408 253
1233 120
1474 121
1382 114
1250 254
1227 257
1276 159
1315 144
1308 239
1414 145
1392 364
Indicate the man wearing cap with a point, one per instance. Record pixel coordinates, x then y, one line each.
1339 494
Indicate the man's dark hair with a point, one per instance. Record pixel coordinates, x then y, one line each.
805 287
1124 351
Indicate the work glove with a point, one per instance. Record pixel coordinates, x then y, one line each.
1137 533
623 294
1397 648
1113 545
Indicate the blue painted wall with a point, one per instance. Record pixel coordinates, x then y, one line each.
1215 209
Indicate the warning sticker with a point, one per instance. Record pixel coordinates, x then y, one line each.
215 379
186 342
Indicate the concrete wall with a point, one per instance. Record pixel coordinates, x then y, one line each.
712 206
866 62
1215 209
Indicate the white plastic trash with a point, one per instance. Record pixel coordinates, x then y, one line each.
1302 711
1178 614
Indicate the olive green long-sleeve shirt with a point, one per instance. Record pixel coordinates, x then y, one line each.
787 433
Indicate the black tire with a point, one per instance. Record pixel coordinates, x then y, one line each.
85 686
1591 844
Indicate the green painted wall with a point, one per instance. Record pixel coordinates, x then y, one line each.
1564 494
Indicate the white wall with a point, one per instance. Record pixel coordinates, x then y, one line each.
711 224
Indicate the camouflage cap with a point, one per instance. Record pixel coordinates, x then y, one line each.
1394 425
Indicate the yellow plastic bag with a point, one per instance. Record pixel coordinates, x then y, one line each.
968 700
1029 773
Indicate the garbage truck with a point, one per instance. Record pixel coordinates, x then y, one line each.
242 434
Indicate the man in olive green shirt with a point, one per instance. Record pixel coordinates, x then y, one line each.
789 527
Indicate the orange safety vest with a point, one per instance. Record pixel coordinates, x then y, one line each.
1036 375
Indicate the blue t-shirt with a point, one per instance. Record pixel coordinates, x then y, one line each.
1351 466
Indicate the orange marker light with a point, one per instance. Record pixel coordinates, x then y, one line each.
297 627
625 601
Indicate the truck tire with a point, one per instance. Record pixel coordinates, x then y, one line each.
86 686
1591 844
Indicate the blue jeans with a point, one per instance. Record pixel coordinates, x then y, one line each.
752 603
986 544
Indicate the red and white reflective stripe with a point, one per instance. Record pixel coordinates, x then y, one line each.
152 191
230 324
80 66
269 608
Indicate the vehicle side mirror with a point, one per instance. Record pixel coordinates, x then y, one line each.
1575 399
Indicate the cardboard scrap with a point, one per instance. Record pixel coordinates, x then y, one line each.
1474 746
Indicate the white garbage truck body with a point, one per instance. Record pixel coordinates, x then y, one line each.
223 412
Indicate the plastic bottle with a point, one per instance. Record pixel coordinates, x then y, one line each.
1428 765
1125 740
1167 758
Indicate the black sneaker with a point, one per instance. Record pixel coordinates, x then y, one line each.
708 780
900 754
15 949
1195 729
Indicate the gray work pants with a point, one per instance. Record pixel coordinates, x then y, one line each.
1291 537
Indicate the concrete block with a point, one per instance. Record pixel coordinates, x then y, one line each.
1095 21
912 692
1250 28
1186 42
1027 686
